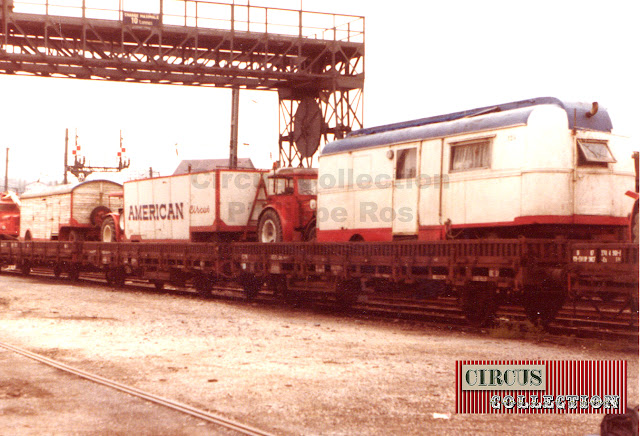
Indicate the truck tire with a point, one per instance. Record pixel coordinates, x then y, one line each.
269 227
108 230
310 232
98 215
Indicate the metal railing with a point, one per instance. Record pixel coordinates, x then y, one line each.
203 14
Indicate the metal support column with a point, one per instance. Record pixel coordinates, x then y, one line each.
233 145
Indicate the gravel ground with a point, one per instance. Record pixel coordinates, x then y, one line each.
284 370
38 400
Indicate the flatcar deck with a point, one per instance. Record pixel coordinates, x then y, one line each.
539 274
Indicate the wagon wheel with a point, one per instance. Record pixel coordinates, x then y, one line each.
203 284
252 285
278 284
479 305
116 277
177 278
74 272
108 275
542 305
347 292
25 268
57 270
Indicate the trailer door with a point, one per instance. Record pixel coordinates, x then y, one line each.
404 215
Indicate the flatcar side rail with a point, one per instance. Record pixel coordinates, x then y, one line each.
509 263
596 268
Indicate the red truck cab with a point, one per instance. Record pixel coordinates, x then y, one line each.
290 211
9 216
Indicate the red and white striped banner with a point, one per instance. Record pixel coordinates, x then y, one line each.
541 386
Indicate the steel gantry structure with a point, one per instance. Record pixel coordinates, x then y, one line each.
315 61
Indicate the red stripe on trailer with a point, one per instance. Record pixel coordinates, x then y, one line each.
433 233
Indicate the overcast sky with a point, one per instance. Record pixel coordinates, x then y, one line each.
422 58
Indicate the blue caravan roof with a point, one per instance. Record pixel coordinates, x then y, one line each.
479 119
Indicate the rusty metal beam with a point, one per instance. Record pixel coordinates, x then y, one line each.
330 70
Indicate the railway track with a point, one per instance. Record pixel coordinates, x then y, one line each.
174 405
580 320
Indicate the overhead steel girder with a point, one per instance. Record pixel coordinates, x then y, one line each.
331 72
122 69
316 64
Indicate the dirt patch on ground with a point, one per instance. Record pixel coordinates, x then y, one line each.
16 388
285 370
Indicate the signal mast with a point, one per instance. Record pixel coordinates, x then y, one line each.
80 169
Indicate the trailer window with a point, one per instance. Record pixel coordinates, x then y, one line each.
594 153
471 155
406 163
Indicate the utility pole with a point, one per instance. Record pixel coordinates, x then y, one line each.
6 173
233 146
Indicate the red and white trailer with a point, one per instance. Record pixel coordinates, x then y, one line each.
536 168
68 212
216 206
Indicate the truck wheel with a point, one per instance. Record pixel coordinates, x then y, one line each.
269 227
98 214
108 230
310 233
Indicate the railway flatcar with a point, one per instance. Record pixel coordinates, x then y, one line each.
535 168
71 212
550 171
